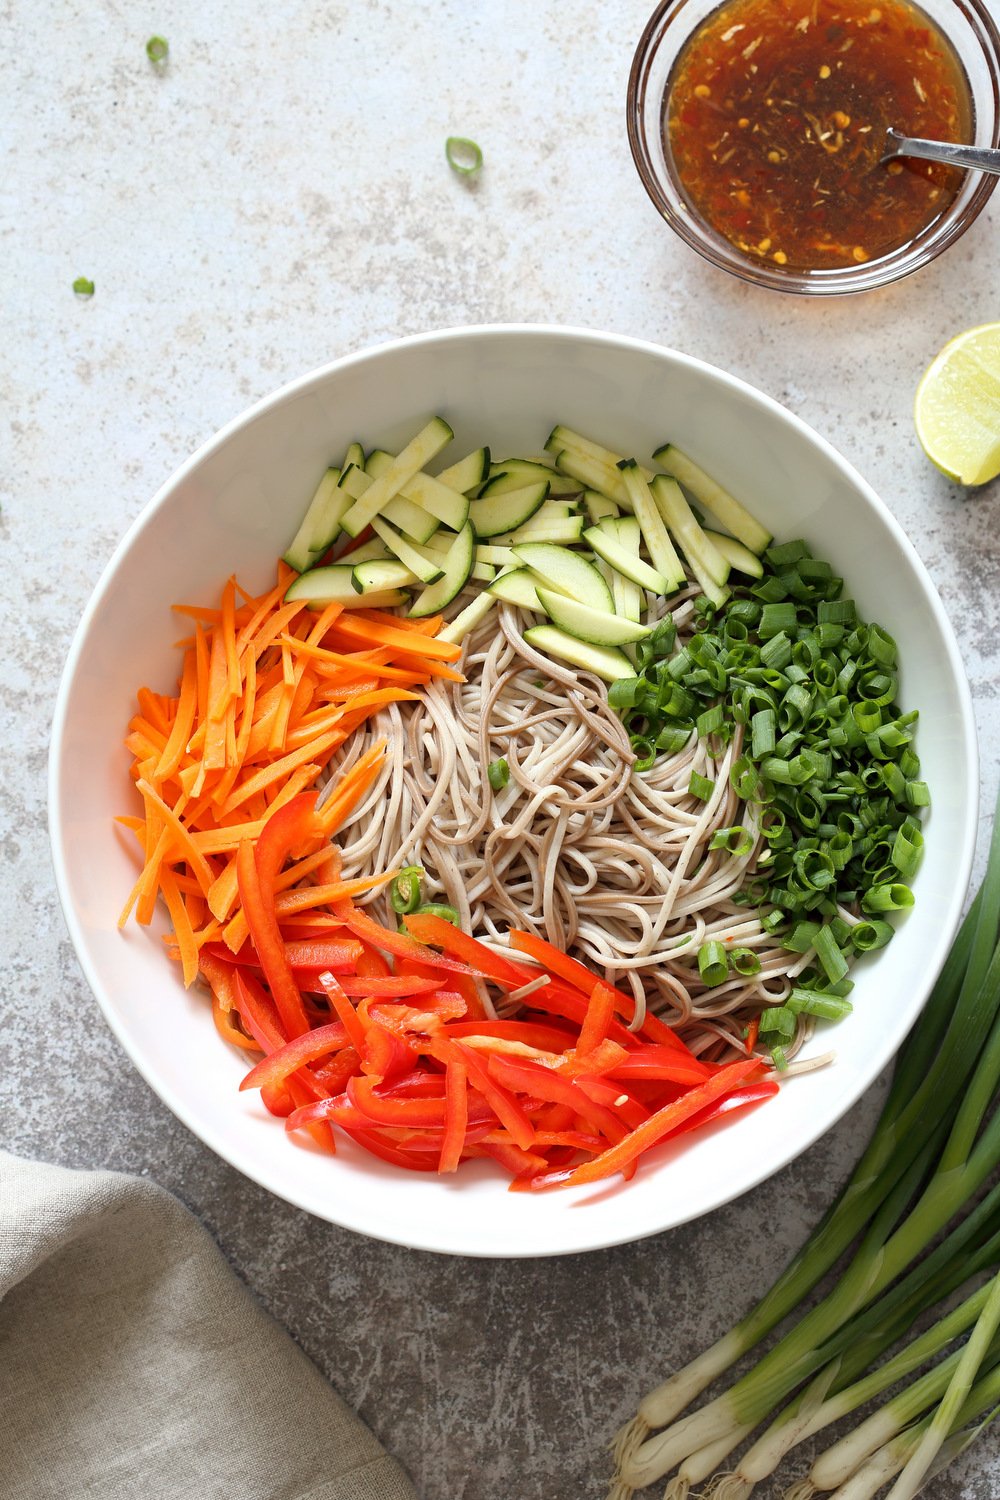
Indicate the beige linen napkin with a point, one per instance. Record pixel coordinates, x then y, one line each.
133 1363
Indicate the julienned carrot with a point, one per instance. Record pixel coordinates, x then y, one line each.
261 707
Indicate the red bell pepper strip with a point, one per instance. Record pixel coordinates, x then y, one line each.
598 1061
600 1014
411 1161
754 1093
257 1012
511 1158
507 1108
533 1033
386 1056
753 1031
388 985
345 1010
396 943
559 999
276 1098
382 1107
372 964
613 1096
456 1117
302 1092
307 1048
258 908
474 956
656 1062
527 1077
581 978
341 955
625 1152
333 1075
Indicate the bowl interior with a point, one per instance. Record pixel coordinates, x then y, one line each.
972 30
234 506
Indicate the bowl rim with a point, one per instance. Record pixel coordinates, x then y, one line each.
243 1161
842 281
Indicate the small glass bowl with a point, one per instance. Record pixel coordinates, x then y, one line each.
974 35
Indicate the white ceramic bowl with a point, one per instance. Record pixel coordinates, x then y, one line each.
233 506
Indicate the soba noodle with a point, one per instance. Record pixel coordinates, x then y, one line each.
611 865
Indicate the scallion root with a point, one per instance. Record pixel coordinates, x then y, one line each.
802 1489
677 1489
628 1438
619 1490
727 1487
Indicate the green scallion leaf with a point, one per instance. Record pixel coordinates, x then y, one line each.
736 840
464 156
435 909
83 286
498 774
701 786
713 963
745 962
157 50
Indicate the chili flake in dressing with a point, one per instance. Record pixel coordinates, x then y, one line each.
775 118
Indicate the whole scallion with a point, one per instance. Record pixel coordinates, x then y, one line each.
935 1145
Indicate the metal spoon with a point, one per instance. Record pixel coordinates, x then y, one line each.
980 158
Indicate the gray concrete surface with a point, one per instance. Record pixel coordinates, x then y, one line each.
277 196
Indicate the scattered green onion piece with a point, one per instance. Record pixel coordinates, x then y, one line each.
435 909
464 156
404 893
701 786
833 961
779 1060
713 964
83 286
710 722
889 897
762 733
157 50
745 962
498 774
801 938
777 1019
867 936
736 840
813 1003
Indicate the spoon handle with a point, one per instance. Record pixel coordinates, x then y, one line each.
981 158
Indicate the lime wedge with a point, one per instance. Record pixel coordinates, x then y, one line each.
957 408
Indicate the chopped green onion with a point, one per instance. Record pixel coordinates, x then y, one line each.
778 1059
762 733
889 897
713 964
710 722
435 909
745 962
498 774
157 49
464 156
814 1003
779 1019
83 286
701 786
404 893
736 840
833 961
867 936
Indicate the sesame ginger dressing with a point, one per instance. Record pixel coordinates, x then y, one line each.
775 118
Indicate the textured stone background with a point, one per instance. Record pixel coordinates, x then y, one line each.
278 196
